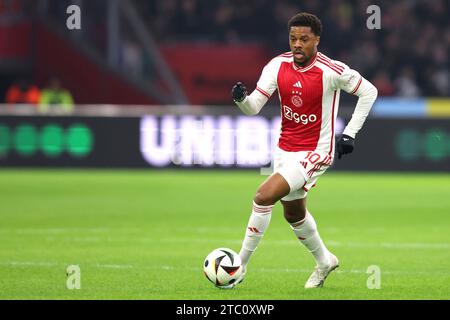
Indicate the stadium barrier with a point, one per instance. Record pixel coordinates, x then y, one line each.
202 139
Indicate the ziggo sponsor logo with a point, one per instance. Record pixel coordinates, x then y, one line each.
294 116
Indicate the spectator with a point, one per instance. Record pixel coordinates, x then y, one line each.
131 57
22 92
56 97
406 84
383 83
394 47
440 79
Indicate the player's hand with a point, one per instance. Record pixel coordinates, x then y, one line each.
345 145
239 92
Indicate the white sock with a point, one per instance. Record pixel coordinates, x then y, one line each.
257 225
306 232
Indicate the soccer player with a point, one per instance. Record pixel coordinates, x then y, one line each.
309 85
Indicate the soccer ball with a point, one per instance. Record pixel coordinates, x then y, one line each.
222 267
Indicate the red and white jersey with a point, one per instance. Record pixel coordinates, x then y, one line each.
309 98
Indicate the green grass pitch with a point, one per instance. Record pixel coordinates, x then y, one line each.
144 234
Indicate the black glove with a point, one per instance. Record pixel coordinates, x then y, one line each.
345 145
239 92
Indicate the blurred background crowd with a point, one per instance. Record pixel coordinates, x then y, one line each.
407 57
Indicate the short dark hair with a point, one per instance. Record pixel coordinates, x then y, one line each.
305 19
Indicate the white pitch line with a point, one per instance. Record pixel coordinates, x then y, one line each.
102 230
115 230
385 245
54 230
29 263
32 231
199 269
396 245
114 266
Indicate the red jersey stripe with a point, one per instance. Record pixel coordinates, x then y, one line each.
357 86
263 92
329 65
337 66
335 70
332 63
332 124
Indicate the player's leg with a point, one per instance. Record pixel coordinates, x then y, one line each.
305 229
288 176
273 189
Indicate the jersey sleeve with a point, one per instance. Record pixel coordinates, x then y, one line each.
348 80
267 83
352 82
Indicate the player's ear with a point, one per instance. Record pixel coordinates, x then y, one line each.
317 40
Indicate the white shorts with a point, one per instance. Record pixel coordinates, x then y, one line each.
301 170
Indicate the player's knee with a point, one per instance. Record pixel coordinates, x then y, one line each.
264 198
293 216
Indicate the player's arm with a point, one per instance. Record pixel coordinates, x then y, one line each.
352 82
367 94
267 84
249 104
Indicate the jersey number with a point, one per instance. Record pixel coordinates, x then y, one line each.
312 157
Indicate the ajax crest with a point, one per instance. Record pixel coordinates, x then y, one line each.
296 101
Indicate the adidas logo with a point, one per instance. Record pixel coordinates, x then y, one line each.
298 84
